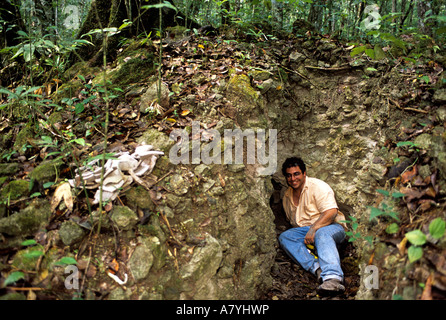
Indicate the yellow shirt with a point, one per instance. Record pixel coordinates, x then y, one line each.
316 197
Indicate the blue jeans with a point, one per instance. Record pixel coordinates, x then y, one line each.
325 241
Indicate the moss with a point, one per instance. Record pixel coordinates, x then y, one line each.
28 220
47 171
134 70
8 169
54 118
13 296
15 190
240 92
26 259
67 90
82 68
24 135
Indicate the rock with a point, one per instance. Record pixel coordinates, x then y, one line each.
71 233
151 95
440 96
26 259
124 217
8 169
139 197
159 140
202 268
141 261
240 92
296 56
178 185
15 190
260 75
28 220
424 141
22 138
441 113
13 296
46 171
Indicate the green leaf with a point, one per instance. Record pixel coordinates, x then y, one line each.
79 141
405 143
392 228
414 253
370 53
14 277
33 254
357 50
47 185
79 108
398 195
425 78
66 260
29 242
383 192
416 237
437 228
369 239
375 212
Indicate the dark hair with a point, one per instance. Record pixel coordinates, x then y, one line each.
293 162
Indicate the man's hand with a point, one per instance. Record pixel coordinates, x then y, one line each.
309 237
326 218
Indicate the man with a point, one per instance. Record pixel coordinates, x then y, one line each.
311 208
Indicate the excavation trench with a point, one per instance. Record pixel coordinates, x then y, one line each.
291 281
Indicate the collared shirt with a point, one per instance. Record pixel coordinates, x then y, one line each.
316 197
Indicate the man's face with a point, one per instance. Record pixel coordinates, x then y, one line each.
294 177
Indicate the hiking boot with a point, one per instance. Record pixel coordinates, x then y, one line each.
331 287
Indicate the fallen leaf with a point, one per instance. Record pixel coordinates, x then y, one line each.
222 181
63 191
409 175
427 292
114 266
402 246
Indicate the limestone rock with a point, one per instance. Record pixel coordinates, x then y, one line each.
28 220
203 266
151 96
140 262
124 217
71 233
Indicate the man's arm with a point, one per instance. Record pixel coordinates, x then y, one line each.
326 218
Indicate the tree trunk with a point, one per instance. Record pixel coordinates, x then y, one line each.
112 13
423 8
12 22
315 15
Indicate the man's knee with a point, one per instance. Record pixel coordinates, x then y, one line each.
283 237
326 233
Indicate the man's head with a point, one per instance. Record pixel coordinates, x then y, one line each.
294 170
